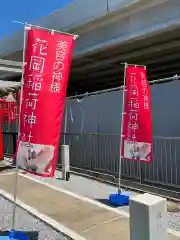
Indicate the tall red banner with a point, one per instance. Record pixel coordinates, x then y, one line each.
137 129
48 56
1 138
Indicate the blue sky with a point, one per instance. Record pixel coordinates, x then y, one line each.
25 10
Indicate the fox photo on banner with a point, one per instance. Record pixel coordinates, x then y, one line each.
48 56
137 127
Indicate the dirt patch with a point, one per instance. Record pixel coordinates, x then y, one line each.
173 207
5 168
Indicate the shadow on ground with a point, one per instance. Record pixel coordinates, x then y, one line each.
5 168
106 202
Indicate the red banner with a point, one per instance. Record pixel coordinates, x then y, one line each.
10 112
1 143
8 109
1 137
137 129
48 56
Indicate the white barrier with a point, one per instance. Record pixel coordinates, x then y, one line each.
148 217
65 162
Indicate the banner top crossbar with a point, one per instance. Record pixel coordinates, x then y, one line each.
132 64
45 28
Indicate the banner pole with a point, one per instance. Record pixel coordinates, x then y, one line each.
122 124
17 169
133 64
15 198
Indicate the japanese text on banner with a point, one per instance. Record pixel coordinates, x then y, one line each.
48 57
58 66
34 81
137 129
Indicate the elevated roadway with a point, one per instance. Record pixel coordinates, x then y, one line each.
113 32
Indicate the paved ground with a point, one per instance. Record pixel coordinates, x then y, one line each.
25 222
87 219
100 191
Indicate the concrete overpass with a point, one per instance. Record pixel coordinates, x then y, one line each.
10 69
112 32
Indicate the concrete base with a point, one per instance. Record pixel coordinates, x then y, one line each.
148 217
14 235
119 199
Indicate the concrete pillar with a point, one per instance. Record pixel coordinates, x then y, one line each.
65 162
148 217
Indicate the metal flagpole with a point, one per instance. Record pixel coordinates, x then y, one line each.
122 123
21 96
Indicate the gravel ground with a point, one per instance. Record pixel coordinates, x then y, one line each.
25 222
174 221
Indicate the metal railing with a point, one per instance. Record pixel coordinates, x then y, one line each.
99 153
9 143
